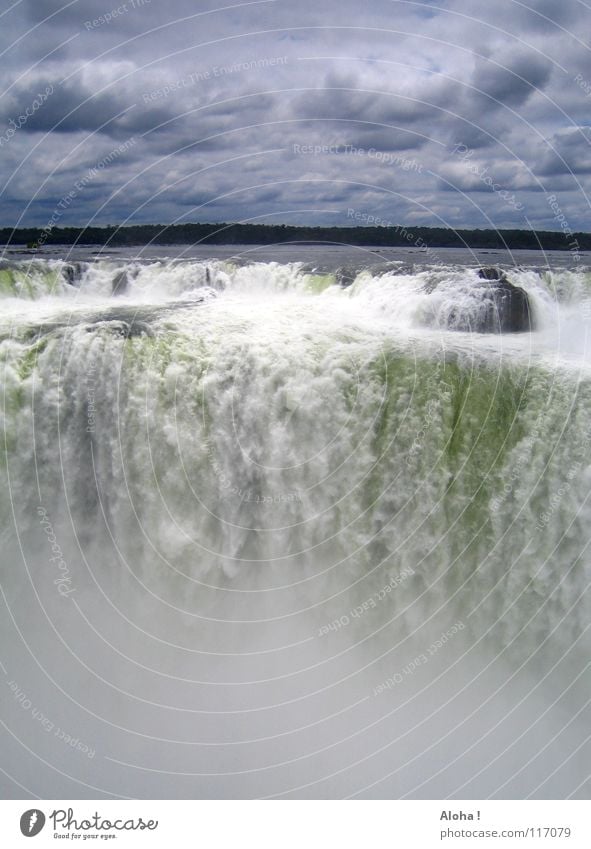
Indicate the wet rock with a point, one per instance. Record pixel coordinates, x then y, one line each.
485 303
120 283
126 329
345 277
506 307
491 273
215 280
138 328
72 273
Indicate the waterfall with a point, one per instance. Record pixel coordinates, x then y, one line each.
267 535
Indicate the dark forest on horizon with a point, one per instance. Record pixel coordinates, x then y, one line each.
271 234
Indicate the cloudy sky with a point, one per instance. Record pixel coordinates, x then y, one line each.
436 112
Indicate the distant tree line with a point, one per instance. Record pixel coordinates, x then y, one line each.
270 234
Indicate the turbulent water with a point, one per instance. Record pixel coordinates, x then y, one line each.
270 535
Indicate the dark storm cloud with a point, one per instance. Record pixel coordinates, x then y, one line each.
220 103
545 15
68 14
72 107
569 153
358 113
524 17
509 83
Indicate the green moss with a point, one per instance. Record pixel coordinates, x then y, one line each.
485 421
156 353
17 283
53 282
319 282
484 426
7 282
393 373
28 360
475 412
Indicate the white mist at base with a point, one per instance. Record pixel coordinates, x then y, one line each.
293 540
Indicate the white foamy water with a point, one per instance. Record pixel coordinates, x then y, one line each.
269 536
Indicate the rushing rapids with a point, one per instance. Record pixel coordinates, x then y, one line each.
268 534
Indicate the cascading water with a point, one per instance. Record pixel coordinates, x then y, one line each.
271 536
